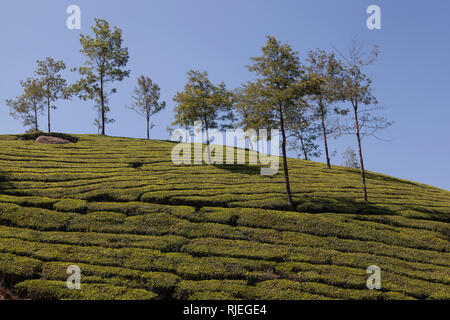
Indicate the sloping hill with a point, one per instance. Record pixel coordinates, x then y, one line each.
140 227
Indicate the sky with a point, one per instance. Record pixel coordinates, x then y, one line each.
167 38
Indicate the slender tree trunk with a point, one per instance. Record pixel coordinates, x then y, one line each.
148 126
48 113
361 162
324 130
207 141
102 98
36 127
303 147
285 167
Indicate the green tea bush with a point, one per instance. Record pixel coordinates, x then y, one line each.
71 205
51 290
40 202
159 282
16 268
211 232
229 289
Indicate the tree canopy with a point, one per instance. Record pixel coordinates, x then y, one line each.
53 84
106 62
146 96
269 99
28 105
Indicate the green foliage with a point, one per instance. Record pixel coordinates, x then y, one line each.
30 104
146 100
357 90
266 102
229 289
203 101
53 84
40 202
27 217
106 59
15 268
210 232
160 282
52 290
71 205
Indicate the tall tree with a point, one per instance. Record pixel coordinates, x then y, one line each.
254 112
106 62
358 91
326 72
28 105
278 86
54 86
203 101
146 100
304 133
98 109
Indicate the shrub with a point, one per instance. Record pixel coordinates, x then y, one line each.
40 202
160 282
15 268
230 289
40 219
51 290
152 230
71 205
281 290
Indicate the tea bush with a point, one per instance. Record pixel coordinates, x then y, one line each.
140 227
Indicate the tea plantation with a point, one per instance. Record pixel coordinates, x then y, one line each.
140 227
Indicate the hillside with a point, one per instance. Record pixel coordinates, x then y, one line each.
140 227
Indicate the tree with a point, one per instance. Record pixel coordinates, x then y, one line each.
28 105
357 90
54 86
350 158
304 132
106 62
203 101
98 108
254 112
146 100
325 71
279 85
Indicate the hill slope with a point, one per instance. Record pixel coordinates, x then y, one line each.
140 227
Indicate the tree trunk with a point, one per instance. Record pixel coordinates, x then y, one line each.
361 162
207 141
285 167
102 99
324 129
148 127
48 113
303 147
36 127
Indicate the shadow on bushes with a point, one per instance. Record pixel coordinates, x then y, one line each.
240 168
4 183
339 205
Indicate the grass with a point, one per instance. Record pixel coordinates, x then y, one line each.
140 227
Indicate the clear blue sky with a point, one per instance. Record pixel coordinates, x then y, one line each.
167 38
